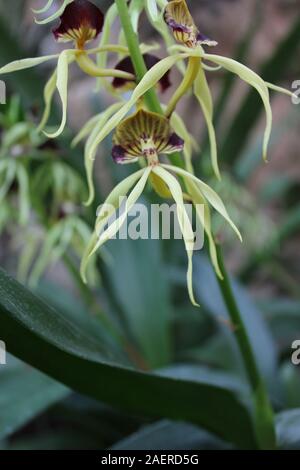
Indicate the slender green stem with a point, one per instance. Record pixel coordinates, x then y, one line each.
140 68
135 54
264 421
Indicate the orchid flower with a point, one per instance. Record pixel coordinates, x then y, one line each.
181 23
146 135
80 23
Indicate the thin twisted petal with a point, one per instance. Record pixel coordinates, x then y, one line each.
203 95
55 15
45 8
62 88
89 163
113 200
212 197
23 64
256 81
184 223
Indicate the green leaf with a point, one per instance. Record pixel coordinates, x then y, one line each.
288 429
165 435
144 297
40 336
25 393
262 343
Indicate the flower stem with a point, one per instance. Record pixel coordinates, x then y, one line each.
140 68
263 412
135 54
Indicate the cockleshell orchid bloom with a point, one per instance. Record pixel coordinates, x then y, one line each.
179 19
191 49
80 23
146 136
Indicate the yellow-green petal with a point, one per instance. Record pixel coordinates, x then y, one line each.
254 80
23 64
212 197
62 88
88 161
184 223
113 201
203 95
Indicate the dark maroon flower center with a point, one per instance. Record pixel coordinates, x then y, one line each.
81 22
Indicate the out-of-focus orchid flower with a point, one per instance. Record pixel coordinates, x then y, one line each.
80 23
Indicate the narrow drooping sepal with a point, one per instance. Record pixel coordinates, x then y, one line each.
81 22
179 19
144 134
126 65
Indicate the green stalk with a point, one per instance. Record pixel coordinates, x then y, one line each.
263 412
135 54
264 422
140 68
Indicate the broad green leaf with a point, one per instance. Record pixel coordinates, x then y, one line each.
166 436
40 336
147 316
288 429
212 197
203 95
184 223
290 383
26 63
254 80
24 394
259 334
